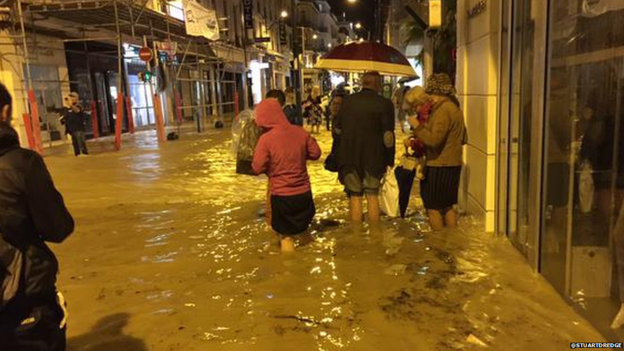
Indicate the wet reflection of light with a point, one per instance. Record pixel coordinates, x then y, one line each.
224 267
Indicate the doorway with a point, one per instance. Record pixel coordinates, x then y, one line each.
520 125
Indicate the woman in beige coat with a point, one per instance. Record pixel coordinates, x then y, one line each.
444 134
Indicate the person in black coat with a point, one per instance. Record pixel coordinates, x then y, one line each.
75 121
290 108
365 124
32 213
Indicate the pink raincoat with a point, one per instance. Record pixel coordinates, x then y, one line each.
283 151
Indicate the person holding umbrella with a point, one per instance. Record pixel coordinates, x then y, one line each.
444 135
366 149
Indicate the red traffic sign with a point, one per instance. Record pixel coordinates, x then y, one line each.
145 54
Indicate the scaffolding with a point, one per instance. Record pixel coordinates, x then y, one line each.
119 23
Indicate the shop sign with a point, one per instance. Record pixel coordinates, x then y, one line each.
435 14
282 33
477 9
248 14
200 21
168 46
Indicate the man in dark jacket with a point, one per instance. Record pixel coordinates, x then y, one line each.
366 127
32 212
75 120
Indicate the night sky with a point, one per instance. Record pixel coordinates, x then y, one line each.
363 11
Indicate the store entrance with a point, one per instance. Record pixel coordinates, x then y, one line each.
519 175
103 103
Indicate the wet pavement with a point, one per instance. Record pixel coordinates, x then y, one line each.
170 253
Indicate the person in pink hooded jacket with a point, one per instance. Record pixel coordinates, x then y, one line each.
282 153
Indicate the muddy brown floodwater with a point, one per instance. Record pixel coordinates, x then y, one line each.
170 253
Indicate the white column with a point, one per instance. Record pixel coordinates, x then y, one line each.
477 85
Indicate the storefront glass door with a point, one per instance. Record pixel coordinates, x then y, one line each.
521 122
584 184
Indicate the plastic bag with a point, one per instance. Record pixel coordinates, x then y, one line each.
586 188
389 195
237 129
250 134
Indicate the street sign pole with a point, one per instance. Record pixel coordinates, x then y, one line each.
296 79
247 26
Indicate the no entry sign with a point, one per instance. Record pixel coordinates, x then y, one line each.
145 54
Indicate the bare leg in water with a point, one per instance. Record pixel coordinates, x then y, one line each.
355 208
436 221
450 218
287 244
374 212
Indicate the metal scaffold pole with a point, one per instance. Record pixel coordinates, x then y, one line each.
33 127
157 102
297 71
120 98
246 96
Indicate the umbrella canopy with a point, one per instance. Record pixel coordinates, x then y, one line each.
365 56
405 179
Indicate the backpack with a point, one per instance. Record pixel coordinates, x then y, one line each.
27 267
11 268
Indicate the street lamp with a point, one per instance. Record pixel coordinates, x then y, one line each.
358 25
314 36
329 45
283 16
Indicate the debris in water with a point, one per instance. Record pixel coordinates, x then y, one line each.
395 269
476 341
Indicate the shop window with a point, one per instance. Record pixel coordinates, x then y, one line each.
175 9
583 235
47 87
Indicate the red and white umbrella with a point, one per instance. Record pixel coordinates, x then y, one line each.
366 56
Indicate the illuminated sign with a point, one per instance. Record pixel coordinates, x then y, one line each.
435 14
248 14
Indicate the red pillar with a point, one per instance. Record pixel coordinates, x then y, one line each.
36 126
160 121
178 107
236 109
118 124
130 115
29 131
94 120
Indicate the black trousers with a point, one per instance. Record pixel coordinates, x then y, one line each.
34 330
79 141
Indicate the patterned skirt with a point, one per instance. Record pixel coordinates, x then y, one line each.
440 188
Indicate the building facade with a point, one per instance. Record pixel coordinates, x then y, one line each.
92 47
320 32
542 87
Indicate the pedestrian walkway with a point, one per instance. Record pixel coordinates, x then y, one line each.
170 254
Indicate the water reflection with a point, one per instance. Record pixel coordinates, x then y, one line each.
192 258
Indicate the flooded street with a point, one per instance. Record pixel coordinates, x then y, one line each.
171 253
